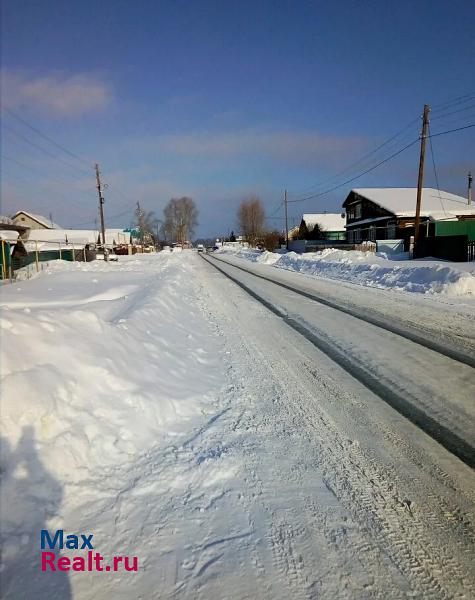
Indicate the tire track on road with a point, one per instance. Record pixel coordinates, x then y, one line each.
441 434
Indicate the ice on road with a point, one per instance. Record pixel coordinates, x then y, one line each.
156 405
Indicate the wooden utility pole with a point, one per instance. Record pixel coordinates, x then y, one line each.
470 179
101 210
420 179
286 222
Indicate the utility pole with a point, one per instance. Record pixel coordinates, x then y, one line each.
140 222
101 210
286 222
469 187
420 179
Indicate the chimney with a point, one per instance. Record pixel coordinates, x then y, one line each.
470 187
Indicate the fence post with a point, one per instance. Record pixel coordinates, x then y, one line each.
3 260
60 255
84 253
36 256
74 254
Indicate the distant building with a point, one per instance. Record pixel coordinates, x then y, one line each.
331 226
27 219
389 213
67 238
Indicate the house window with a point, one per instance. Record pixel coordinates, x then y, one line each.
358 211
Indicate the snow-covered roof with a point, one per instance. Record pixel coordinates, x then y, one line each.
9 235
326 221
78 236
434 204
39 218
6 220
119 236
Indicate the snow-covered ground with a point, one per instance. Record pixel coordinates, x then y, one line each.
154 404
370 269
101 365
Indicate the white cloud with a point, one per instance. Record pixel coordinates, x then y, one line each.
55 94
286 146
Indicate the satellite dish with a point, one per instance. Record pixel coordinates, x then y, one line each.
343 215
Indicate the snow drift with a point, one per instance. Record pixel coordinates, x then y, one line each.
101 363
373 270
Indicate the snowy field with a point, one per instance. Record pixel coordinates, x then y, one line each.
373 270
154 404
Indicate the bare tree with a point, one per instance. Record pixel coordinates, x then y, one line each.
251 217
146 223
271 240
180 219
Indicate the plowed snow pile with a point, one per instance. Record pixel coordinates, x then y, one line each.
100 364
373 270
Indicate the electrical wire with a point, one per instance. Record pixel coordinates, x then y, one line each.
382 162
275 211
46 137
452 130
453 112
52 141
44 150
47 152
456 120
433 162
459 100
360 160
17 162
435 174
36 172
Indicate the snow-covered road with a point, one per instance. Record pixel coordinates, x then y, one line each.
160 407
427 385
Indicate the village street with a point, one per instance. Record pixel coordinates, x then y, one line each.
242 440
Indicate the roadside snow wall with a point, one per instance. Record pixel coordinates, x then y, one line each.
373 270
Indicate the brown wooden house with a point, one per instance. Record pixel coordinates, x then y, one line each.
389 213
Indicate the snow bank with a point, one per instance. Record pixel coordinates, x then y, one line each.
100 362
374 270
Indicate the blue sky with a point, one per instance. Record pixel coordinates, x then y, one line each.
221 100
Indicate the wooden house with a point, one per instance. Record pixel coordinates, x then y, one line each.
389 213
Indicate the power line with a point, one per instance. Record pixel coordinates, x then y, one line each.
433 161
110 218
36 183
54 156
17 162
275 211
453 112
456 120
364 157
382 162
453 130
46 137
435 173
43 150
118 191
33 144
454 101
